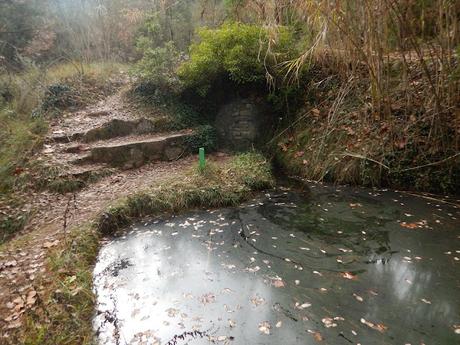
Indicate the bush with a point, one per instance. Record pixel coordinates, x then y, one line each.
239 52
57 96
205 136
158 65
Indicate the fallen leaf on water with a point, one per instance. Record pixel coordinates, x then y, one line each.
348 275
316 335
264 327
377 326
278 283
329 322
232 323
359 298
409 225
302 306
208 298
425 301
172 312
257 301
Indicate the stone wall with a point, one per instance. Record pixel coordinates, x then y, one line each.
239 123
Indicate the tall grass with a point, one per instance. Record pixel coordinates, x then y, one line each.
380 66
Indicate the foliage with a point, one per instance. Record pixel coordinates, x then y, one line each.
169 25
20 136
13 218
243 53
205 136
158 66
57 96
18 20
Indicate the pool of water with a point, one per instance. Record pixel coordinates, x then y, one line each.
331 266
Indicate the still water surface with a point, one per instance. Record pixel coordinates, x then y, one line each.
332 266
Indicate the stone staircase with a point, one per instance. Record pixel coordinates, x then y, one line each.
97 141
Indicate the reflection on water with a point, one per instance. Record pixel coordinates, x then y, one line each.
335 267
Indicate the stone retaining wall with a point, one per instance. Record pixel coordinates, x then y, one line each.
239 123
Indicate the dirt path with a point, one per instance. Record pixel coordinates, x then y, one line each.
23 259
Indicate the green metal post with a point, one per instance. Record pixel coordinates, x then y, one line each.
202 159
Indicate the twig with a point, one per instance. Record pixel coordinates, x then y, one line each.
356 155
431 198
431 164
73 198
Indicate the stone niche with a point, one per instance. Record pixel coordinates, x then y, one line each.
240 123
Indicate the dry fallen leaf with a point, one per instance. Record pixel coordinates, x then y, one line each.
264 327
329 322
299 154
348 275
208 298
302 306
50 244
14 324
316 335
257 301
359 298
377 326
31 298
278 283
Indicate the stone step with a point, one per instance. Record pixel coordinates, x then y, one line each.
86 172
111 129
120 128
135 151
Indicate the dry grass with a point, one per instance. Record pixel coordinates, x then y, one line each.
385 76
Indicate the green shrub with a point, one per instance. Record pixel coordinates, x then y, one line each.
205 136
240 52
158 66
57 96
